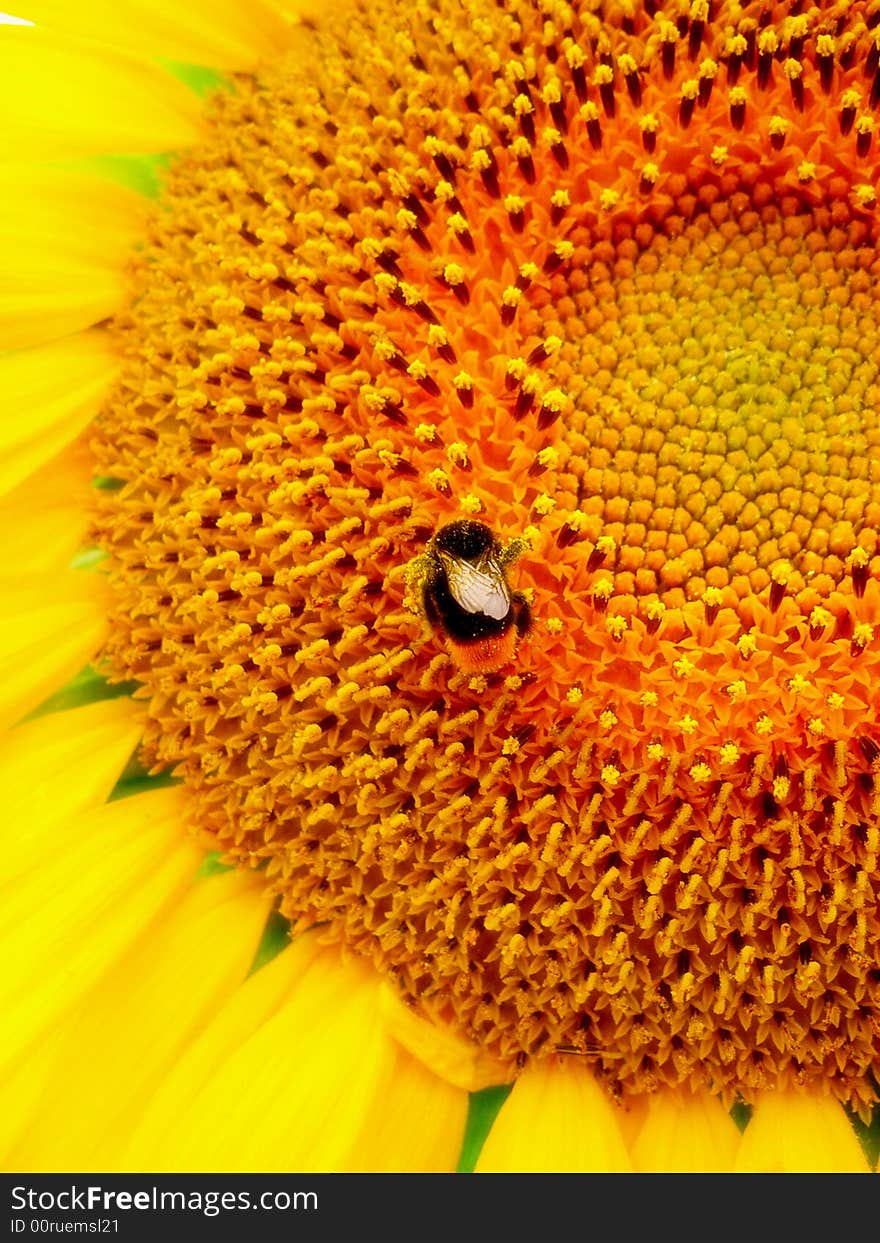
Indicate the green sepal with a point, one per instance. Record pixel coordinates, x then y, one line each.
483 1108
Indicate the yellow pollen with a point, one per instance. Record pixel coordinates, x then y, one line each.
747 644
863 634
439 480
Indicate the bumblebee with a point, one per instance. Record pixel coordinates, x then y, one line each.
466 598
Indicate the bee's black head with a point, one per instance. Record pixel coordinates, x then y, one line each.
465 539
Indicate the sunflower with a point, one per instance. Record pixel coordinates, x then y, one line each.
442 483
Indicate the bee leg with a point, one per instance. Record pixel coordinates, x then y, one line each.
429 608
522 614
511 551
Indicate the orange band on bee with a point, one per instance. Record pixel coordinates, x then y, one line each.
484 655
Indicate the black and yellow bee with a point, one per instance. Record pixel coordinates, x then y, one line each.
465 595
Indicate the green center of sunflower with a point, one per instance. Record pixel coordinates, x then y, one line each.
607 288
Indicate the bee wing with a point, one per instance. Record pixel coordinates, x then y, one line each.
478 588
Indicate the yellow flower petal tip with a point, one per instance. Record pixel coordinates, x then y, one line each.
62 97
60 384
47 635
447 1054
226 34
685 1133
298 1072
104 878
416 1124
557 1119
56 499
112 1057
799 1133
67 239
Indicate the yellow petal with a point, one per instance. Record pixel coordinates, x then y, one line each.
285 1078
53 768
556 1120
447 1054
66 239
416 1126
50 628
45 518
799 1133
120 1040
63 97
685 1133
226 34
48 394
21 1087
631 1115
65 923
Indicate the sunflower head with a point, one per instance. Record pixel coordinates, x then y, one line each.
599 288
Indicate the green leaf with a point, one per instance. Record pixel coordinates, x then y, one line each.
199 78
127 786
141 173
482 1110
741 1113
275 938
88 686
212 865
136 779
869 1135
88 559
